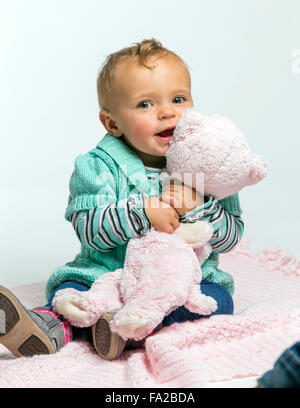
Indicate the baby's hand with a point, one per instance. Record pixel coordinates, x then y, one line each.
181 197
163 216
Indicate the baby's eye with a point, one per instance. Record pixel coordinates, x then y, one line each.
178 99
144 105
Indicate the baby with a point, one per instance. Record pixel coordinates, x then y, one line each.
116 194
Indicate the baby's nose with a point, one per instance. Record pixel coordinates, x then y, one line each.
166 112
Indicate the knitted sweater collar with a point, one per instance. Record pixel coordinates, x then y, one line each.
130 165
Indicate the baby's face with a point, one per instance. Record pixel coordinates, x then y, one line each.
148 104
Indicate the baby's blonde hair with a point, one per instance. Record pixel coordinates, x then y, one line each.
143 50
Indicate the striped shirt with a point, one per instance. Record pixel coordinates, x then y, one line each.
108 226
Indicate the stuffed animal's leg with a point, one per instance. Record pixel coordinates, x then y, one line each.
139 318
83 309
163 286
199 303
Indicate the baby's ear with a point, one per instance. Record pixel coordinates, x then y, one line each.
109 123
258 169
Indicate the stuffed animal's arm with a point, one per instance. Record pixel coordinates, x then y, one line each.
197 234
226 216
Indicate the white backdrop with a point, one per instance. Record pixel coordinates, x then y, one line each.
245 63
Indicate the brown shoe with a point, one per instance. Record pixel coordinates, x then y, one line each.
108 345
29 332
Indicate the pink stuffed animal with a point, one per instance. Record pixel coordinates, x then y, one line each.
163 271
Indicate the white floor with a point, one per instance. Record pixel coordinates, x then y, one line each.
249 382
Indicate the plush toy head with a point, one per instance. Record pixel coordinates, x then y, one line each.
214 150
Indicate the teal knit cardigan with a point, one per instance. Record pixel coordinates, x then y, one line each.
106 175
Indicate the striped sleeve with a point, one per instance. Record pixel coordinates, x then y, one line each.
106 227
225 217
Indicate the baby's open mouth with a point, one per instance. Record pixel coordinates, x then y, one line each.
166 133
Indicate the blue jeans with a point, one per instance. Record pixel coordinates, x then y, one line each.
181 314
286 370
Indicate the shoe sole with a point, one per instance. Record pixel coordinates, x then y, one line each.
107 344
18 332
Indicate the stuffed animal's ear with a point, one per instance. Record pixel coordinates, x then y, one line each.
258 169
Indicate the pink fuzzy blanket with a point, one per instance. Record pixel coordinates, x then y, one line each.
266 321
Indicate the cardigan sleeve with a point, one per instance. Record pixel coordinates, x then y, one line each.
100 220
225 217
106 227
92 184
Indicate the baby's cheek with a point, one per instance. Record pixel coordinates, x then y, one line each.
143 129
